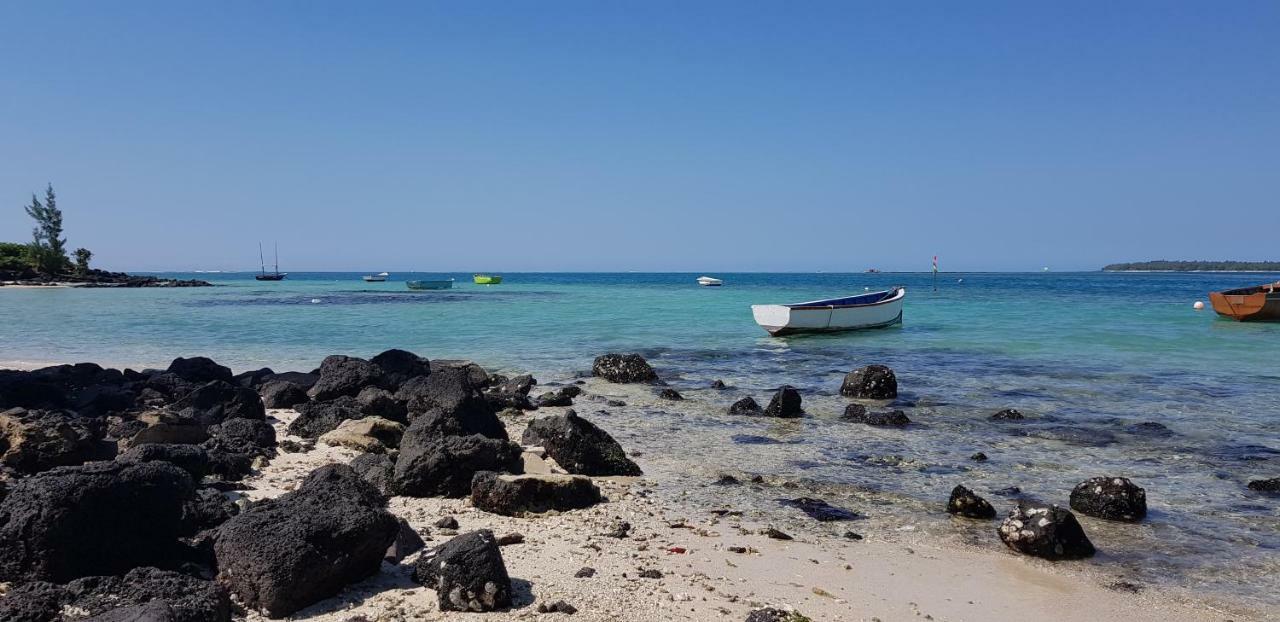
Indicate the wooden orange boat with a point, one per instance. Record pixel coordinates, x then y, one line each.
1249 304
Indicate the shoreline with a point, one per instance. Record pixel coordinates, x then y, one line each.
824 577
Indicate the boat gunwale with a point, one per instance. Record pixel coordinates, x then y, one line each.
896 294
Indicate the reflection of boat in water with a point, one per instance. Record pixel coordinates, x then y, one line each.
446 284
487 279
873 310
274 276
376 278
1260 303
707 281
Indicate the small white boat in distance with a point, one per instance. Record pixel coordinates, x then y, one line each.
873 310
376 278
707 281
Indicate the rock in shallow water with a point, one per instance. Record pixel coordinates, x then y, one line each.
1052 533
467 573
579 446
745 406
786 403
624 369
966 503
858 413
520 495
1265 485
873 382
1008 414
1112 498
820 510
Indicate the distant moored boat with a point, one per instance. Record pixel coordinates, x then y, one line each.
873 310
1260 303
487 279
445 284
264 275
376 278
707 281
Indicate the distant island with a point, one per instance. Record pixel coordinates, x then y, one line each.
1164 265
45 261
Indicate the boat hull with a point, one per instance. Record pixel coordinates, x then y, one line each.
269 277
1251 304
420 285
375 279
483 279
781 320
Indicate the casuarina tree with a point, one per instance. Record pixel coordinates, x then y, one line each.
48 247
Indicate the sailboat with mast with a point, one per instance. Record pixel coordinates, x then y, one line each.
277 275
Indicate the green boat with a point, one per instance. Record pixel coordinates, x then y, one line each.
487 279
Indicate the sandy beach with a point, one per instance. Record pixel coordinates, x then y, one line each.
820 573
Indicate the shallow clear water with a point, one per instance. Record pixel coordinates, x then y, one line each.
1085 356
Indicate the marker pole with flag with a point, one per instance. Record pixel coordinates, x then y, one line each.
935 273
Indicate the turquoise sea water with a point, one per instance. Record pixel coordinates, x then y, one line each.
1088 357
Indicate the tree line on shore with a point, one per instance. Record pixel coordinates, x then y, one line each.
46 253
1164 265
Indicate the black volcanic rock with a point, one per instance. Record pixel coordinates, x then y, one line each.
1265 485
624 369
579 446
859 414
216 401
875 382
282 394
467 573
96 519
745 406
140 595
399 366
785 403
345 376
1111 498
820 510
1008 414
38 440
199 370
520 495
1052 533
966 503
283 554
317 418
443 466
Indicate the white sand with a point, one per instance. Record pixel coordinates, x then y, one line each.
826 579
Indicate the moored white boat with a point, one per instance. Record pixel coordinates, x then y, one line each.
871 310
376 278
707 281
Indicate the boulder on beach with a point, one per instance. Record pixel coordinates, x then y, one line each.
517 385
302 379
247 436
162 426
378 402
443 466
282 394
377 469
252 379
770 614
624 369
453 391
966 503
1111 498
557 398
207 509
399 365
38 440
316 418
467 573
521 495
579 446
745 406
370 435
1008 414
283 554
97 519
873 382
1052 533
785 403
859 414
217 401
190 458
344 376
199 370
140 595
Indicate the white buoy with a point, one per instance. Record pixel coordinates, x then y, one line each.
315 301
1198 306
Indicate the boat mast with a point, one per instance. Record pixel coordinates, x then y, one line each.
277 245
261 261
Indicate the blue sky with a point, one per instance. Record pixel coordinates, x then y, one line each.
699 136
